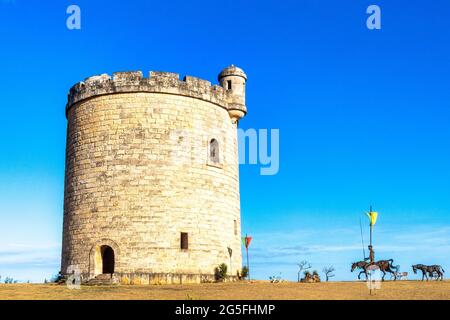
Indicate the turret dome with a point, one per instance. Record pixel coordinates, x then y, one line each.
232 70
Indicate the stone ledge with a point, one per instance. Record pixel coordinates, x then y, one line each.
139 278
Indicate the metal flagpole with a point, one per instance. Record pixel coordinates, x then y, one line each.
371 226
246 247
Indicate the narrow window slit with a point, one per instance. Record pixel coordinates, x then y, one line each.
184 241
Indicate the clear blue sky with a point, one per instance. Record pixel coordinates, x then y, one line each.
363 118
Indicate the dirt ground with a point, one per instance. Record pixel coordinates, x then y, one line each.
254 290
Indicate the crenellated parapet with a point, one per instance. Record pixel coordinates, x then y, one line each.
156 82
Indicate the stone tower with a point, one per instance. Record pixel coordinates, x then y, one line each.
152 177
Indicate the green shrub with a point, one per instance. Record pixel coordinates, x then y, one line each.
221 272
244 272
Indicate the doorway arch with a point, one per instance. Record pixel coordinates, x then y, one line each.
107 256
104 258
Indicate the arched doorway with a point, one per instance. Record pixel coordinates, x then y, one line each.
104 258
107 254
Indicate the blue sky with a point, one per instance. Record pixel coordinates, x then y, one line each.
363 118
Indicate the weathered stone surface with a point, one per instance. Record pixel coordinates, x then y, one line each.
165 82
138 174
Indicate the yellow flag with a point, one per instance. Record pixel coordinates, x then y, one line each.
372 217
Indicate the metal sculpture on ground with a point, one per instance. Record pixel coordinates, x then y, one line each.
430 271
383 265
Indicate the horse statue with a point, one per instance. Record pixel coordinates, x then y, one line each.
360 265
383 265
429 270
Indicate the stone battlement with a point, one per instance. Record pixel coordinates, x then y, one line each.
157 82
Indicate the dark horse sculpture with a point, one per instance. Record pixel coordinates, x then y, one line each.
360 265
430 270
383 265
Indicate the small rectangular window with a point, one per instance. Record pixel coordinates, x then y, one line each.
184 241
229 84
235 227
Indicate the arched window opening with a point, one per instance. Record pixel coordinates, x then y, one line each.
214 151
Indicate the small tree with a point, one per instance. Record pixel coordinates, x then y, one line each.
328 272
302 266
10 280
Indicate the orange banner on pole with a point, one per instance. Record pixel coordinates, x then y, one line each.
246 241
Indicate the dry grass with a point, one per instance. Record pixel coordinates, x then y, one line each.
233 291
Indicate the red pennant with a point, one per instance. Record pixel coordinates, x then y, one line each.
247 241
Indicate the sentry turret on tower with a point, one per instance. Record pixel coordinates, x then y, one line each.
233 79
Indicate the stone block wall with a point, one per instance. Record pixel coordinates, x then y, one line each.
139 173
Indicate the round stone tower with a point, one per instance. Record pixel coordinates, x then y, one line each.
152 177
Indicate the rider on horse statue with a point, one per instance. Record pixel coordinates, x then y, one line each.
371 257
